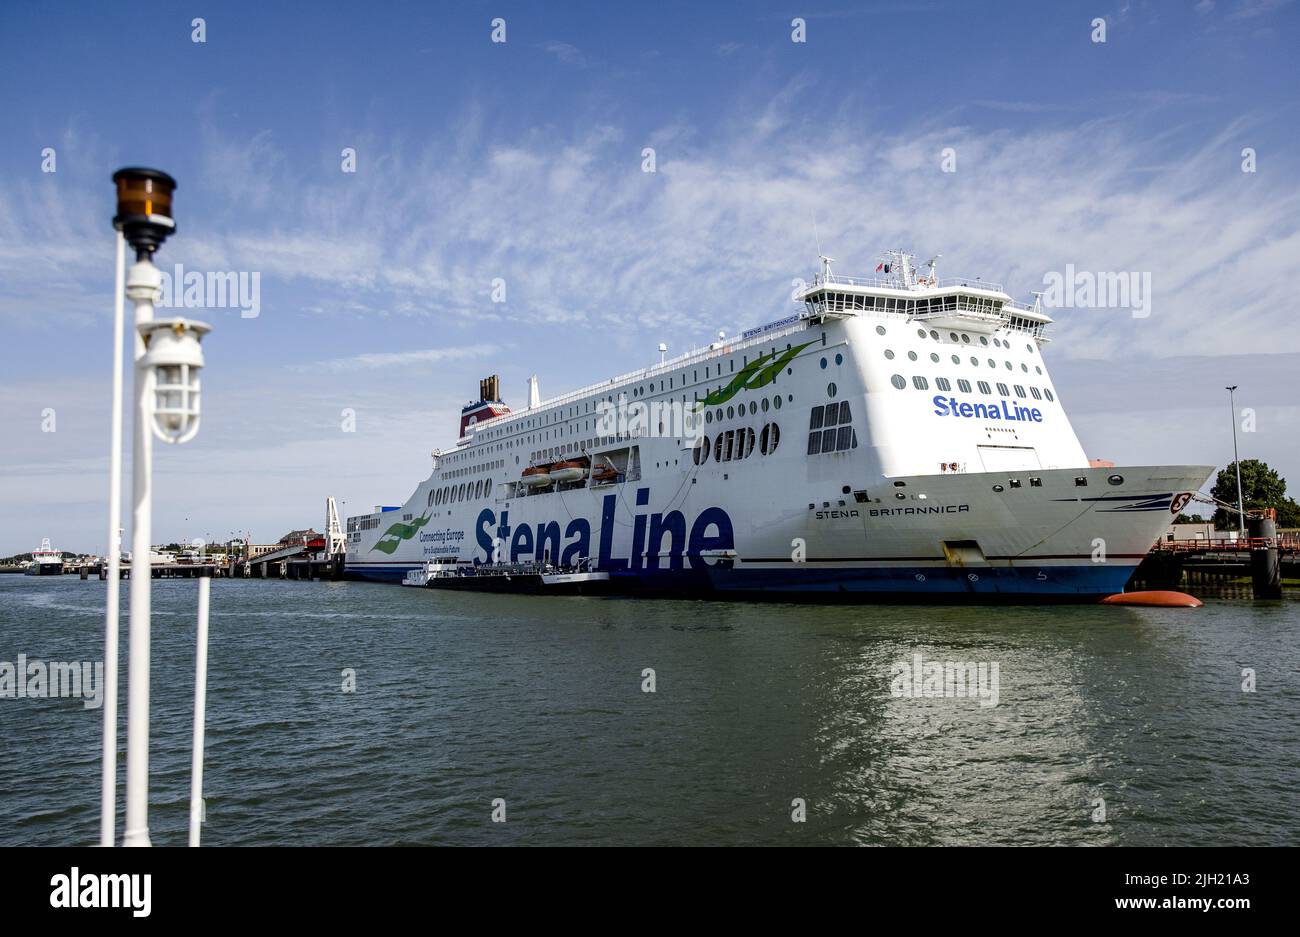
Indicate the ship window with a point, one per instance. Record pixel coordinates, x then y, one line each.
814 443
731 450
748 445
1080 481
965 338
934 357
1035 483
769 438
701 453
708 416
828 440
731 413
823 364
974 362
776 401
753 408
1002 389
942 383
898 381
984 387
963 385
764 404
889 354
911 355
815 421
831 389
845 439
1037 395
845 415
1047 391
880 330
1009 368
717 449
919 382
992 363
934 335
717 414
920 333
985 341
953 336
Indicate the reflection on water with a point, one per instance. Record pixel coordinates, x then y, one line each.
1136 715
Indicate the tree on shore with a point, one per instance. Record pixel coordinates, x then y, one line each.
1262 487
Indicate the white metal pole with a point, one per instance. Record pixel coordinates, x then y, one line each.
143 288
108 798
200 704
1236 461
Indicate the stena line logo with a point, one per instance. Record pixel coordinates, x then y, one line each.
655 538
951 406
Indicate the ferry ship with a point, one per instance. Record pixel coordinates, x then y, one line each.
45 561
898 438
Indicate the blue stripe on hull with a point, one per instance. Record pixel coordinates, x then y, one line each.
1085 581
878 583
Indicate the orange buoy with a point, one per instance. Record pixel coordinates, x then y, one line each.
1157 599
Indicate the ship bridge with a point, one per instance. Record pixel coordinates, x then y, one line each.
956 302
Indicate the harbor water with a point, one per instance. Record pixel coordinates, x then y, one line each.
766 724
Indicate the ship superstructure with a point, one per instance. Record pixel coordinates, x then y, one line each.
899 436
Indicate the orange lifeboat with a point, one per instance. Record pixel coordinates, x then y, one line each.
1157 599
604 473
536 476
570 470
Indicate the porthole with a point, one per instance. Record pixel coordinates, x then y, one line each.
1038 369
992 363
708 416
942 384
765 404
880 330
776 401
889 354
900 496
831 389
911 355
953 336
920 333
823 364
934 357
898 381
920 383
839 359
974 362
1029 348
731 413
753 408
1009 367
701 450
965 338
998 488
1115 479
717 414
1047 392
985 341
934 335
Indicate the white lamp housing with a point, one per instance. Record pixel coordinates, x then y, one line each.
175 358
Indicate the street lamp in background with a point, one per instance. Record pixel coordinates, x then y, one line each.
1241 512
166 404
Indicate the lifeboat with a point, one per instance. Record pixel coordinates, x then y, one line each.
604 473
569 470
536 476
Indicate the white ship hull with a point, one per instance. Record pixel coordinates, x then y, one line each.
910 463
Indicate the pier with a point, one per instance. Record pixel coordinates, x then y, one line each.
1250 567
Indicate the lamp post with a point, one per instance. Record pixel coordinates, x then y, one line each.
167 360
1241 512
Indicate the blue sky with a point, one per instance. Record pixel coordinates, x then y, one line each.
523 162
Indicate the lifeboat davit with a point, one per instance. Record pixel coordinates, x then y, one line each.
604 473
536 476
1158 599
569 470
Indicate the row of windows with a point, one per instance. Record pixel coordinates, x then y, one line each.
466 491
956 359
830 415
736 444
843 302
832 440
734 411
963 385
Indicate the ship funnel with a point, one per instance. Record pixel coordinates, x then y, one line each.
490 388
534 395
